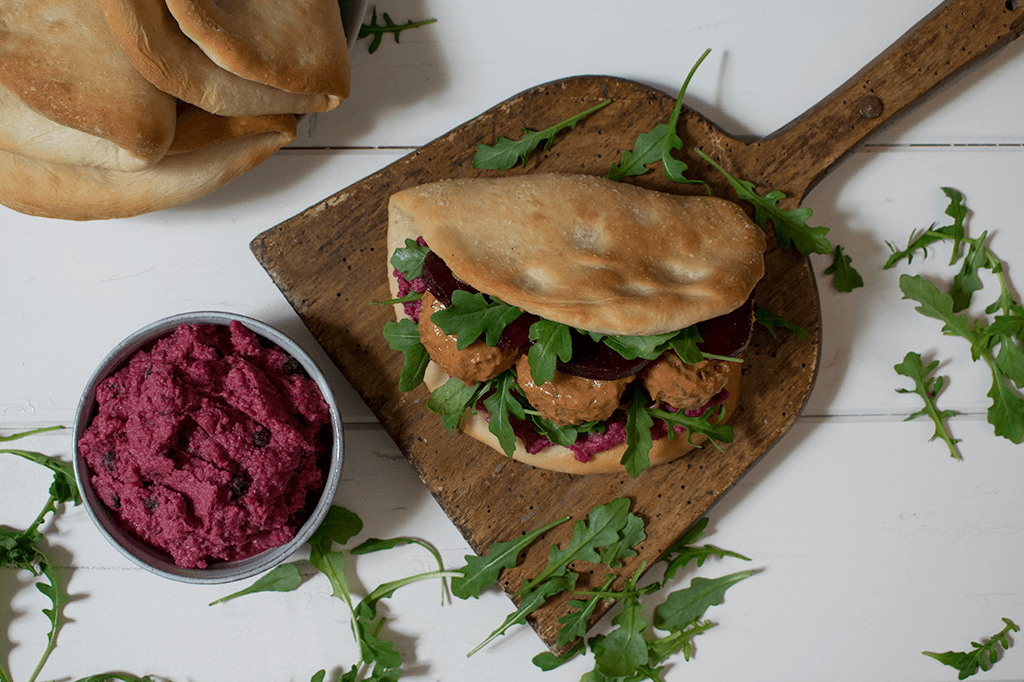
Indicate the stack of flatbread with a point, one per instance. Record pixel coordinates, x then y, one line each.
113 108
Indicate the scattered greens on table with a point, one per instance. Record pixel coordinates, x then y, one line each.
656 146
997 341
378 31
981 657
605 538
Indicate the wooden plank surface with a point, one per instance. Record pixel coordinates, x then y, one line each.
330 262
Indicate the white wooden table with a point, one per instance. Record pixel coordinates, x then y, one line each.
870 543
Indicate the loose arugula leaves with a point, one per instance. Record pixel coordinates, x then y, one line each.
658 144
378 31
22 549
790 225
981 657
506 153
928 388
846 277
998 342
283 578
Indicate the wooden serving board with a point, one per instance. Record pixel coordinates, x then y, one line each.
330 262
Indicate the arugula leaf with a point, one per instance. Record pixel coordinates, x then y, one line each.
771 321
682 552
409 260
283 578
552 342
846 277
472 315
928 388
377 31
647 347
529 601
715 432
500 404
981 657
601 529
674 168
339 525
482 571
637 455
790 225
685 344
404 336
452 398
685 606
506 153
624 650
1006 413
646 150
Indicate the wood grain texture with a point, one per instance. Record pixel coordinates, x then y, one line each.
330 263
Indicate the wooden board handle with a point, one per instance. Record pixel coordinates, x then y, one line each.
955 36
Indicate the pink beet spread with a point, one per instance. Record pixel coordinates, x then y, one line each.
209 445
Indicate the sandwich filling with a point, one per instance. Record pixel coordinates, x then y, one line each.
571 310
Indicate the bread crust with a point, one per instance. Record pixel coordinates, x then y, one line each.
403 225
602 256
155 45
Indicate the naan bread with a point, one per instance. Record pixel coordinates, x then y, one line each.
152 41
59 58
207 152
586 251
297 46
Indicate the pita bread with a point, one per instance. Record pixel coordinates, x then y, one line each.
25 131
297 46
518 219
60 59
208 152
152 41
586 251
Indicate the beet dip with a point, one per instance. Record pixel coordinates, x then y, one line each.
209 445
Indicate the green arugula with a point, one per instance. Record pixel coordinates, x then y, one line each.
378 31
409 260
771 322
282 578
928 388
981 657
471 316
404 336
23 549
846 277
552 342
683 551
658 144
998 342
790 225
628 652
506 153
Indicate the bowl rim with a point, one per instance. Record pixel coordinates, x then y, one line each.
158 562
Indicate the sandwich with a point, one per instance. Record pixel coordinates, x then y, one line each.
571 322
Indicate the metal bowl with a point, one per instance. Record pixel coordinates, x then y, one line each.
155 560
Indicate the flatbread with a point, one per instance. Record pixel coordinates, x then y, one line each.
155 45
208 152
515 219
60 59
25 131
297 46
586 251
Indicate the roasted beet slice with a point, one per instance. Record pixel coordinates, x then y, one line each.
594 360
727 335
517 334
439 279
